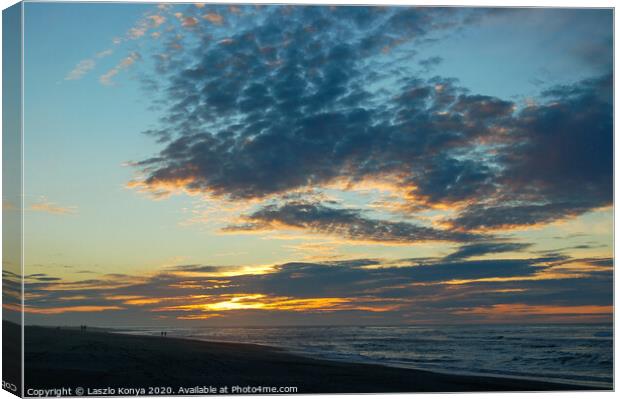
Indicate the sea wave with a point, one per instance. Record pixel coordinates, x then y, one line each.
568 353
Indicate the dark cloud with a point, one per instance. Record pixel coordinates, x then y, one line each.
603 262
429 63
484 248
573 247
278 107
373 284
506 216
347 223
561 161
12 293
204 268
278 97
597 287
43 278
324 280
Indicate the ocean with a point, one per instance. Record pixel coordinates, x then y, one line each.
575 353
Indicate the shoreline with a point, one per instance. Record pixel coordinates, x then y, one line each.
593 385
57 358
598 385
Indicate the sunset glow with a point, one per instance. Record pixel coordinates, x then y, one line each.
222 165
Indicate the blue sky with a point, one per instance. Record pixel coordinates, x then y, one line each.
175 152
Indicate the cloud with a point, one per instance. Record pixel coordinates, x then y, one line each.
137 32
282 156
508 216
214 18
134 33
189 21
156 20
429 63
151 20
52 208
80 69
485 248
106 78
561 164
270 109
69 309
347 223
436 290
104 53
84 66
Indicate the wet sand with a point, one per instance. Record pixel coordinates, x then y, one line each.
58 358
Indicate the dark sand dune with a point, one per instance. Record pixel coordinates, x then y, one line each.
70 358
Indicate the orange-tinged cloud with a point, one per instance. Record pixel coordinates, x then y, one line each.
203 316
227 272
520 309
580 266
123 297
49 207
106 78
68 309
144 301
400 194
164 189
73 298
189 21
111 282
214 18
552 273
136 299
12 306
156 20
265 302
210 284
189 292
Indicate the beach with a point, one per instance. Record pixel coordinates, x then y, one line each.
94 359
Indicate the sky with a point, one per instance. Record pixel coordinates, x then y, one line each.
296 165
